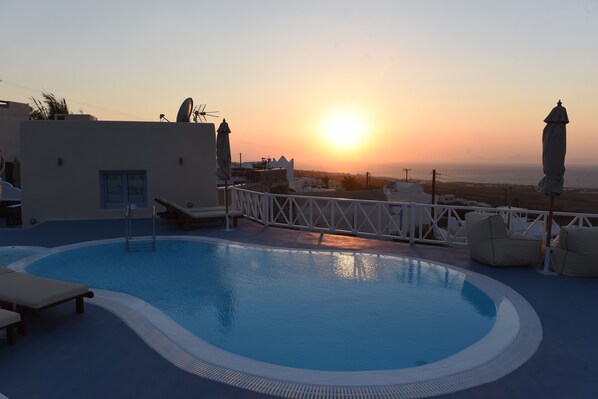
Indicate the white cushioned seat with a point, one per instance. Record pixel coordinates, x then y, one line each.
576 253
489 242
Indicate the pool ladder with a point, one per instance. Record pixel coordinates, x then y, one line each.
129 230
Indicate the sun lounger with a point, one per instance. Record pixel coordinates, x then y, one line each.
187 217
26 293
10 321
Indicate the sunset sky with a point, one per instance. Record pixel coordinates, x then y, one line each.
332 84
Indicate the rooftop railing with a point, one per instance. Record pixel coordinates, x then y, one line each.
402 221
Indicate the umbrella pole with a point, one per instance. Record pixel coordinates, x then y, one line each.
547 253
226 216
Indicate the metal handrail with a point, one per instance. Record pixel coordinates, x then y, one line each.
129 227
154 227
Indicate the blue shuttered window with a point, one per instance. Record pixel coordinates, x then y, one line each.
122 188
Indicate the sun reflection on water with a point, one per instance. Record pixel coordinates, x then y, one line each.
355 266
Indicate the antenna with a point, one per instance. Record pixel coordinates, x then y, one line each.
185 110
200 113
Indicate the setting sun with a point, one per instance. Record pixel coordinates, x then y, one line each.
344 131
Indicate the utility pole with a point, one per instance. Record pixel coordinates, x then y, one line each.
406 174
433 186
240 161
367 179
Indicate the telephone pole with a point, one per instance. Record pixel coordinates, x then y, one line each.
433 186
406 174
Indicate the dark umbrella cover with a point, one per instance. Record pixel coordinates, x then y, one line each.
223 156
223 159
554 146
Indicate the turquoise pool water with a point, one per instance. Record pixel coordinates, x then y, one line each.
306 309
9 255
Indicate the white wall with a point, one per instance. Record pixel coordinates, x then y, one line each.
289 166
11 115
72 191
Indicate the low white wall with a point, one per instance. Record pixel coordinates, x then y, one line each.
73 190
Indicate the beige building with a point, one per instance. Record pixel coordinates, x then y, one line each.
85 169
11 115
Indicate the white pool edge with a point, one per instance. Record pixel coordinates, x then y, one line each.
514 338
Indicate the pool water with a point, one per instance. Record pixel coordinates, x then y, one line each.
306 309
10 255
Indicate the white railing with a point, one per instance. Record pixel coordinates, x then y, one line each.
416 223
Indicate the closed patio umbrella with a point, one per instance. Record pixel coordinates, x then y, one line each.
554 147
223 158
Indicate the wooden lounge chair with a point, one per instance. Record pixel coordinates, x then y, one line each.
25 293
185 218
10 321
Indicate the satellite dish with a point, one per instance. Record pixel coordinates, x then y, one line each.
185 111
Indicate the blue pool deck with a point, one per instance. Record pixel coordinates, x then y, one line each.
95 355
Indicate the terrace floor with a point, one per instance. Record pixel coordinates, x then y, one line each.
95 355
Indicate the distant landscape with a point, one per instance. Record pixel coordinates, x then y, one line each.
525 196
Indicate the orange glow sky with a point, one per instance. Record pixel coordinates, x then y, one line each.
409 81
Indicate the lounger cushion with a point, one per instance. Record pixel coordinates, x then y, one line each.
7 318
4 270
36 292
213 214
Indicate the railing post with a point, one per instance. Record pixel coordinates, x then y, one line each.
332 210
291 209
412 224
265 210
449 212
233 198
354 224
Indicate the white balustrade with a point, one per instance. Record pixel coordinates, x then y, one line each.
412 222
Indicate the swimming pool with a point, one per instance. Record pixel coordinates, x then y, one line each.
299 314
12 254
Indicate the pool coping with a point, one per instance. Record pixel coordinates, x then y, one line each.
511 348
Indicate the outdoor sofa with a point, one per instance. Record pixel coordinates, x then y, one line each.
25 293
185 218
491 243
576 253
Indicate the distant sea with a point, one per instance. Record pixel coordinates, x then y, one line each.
576 176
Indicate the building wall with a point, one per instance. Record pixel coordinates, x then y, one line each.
289 166
11 115
9 138
73 190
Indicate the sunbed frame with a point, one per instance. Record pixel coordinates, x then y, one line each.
22 309
186 218
11 327
58 292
